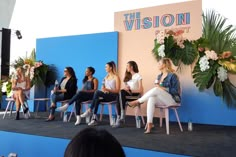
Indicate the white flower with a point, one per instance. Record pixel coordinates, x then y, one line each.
204 64
222 74
161 50
26 66
4 87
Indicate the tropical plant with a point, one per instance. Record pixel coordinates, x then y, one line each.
219 59
215 53
37 71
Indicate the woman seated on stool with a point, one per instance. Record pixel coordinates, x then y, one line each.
20 87
66 90
109 92
90 85
133 87
167 87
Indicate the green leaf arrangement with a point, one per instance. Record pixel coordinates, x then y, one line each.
186 55
38 72
219 40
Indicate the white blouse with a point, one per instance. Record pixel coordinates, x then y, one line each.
134 82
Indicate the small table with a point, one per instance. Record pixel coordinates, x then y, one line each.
38 101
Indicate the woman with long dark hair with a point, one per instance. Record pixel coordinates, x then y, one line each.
133 87
90 85
66 90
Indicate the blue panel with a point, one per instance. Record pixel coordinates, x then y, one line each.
39 146
29 145
204 108
79 52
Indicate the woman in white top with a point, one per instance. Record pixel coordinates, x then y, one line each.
165 92
133 87
20 87
109 92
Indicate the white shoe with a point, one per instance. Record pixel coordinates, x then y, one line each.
78 120
87 113
63 108
93 122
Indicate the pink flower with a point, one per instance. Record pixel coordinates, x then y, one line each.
179 32
226 54
200 49
211 54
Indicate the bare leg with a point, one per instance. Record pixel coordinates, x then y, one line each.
21 96
17 101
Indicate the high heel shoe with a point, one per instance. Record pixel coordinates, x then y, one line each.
133 106
148 127
50 119
25 110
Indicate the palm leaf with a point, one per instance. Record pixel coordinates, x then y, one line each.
220 36
33 55
218 88
229 94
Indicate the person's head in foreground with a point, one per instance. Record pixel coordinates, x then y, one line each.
91 142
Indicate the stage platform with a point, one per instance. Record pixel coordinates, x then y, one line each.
204 140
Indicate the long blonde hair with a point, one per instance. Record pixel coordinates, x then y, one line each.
168 64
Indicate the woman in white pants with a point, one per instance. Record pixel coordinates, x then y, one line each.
166 89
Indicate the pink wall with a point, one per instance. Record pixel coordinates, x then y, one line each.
137 42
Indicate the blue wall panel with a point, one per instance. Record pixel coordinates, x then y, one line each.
204 108
79 52
38 146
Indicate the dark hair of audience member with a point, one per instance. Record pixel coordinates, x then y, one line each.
91 142
92 70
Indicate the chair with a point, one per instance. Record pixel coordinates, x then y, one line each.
63 102
38 100
137 110
110 103
11 103
74 110
166 114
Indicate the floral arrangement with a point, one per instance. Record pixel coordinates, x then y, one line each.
37 71
213 55
172 44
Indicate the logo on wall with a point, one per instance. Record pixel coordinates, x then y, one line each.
134 21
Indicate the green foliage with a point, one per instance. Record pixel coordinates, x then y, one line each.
229 93
188 53
204 79
218 43
155 49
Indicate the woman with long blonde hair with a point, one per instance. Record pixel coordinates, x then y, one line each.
167 87
20 87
